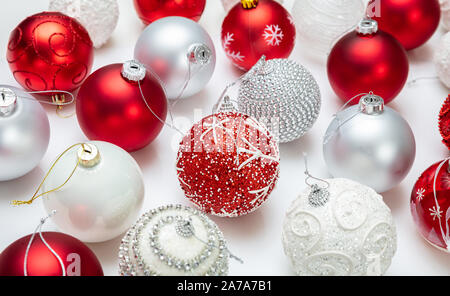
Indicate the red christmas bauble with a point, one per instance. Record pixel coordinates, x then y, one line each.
431 212
50 51
444 122
228 164
77 258
152 10
412 22
110 107
247 34
364 62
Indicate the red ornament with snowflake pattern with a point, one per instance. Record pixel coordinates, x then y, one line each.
248 33
430 207
228 164
444 122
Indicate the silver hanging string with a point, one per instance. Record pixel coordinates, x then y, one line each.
415 80
318 195
309 176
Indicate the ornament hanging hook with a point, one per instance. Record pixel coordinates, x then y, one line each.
309 176
318 195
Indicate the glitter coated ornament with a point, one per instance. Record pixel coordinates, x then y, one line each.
228 4
152 10
77 258
249 33
99 17
228 164
24 133
173 240
110 106
444 122
50 51
352 232
442 59
412 22
371 144
320 23
283 95
367 60
184 66
102 198
430 205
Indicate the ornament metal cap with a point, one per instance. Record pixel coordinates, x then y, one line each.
371 104
262 67
89 155
199 54
367 26
8 99
133 71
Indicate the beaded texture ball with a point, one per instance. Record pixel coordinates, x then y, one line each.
228 164
173 240
283 95
442 59
444 122
351 233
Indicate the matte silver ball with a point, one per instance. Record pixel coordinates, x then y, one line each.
24 133
177 50
371 144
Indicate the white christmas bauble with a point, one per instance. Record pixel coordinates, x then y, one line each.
320 23
227 4
445 13
348 232
99 17
442 59
173 240
103 197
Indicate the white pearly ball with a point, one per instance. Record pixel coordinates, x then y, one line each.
348 232
442 59
227 4
99 17
445 13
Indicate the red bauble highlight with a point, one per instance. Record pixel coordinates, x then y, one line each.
247 34
432 215
78 259
363 63
152 10
444 122
50 51
110 108
228 164
412 22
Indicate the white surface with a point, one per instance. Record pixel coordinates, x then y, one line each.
257 237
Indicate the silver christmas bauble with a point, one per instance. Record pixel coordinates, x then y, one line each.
345 229
99 17
24 133
442 59
371 144
173 240
281 94
180 52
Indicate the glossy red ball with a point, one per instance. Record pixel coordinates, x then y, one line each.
77 258
432 213
50 51
247 34
152 10
444 122
362 63
110 108
412 22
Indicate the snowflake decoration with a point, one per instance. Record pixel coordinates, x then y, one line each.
436 212
235 55
273 35
420 194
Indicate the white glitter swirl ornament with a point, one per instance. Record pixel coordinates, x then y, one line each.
445 13
227 4
173 240
351 232
281 94
442 59
99 17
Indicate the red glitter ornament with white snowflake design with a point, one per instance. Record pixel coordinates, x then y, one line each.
444 122
248 33
228 164
430 205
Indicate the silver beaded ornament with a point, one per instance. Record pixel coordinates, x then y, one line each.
281 94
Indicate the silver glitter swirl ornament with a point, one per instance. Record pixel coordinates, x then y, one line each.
281 94
371 144
351 232
173 240
180 52
24 133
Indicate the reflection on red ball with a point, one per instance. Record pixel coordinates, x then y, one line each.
152 10
50 51
444 122
110 108
247 34
77 258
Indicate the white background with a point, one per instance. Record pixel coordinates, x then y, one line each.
256 237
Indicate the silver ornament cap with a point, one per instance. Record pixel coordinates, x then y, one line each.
133 71
8 99
199 54
367 27
89 155
371 104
